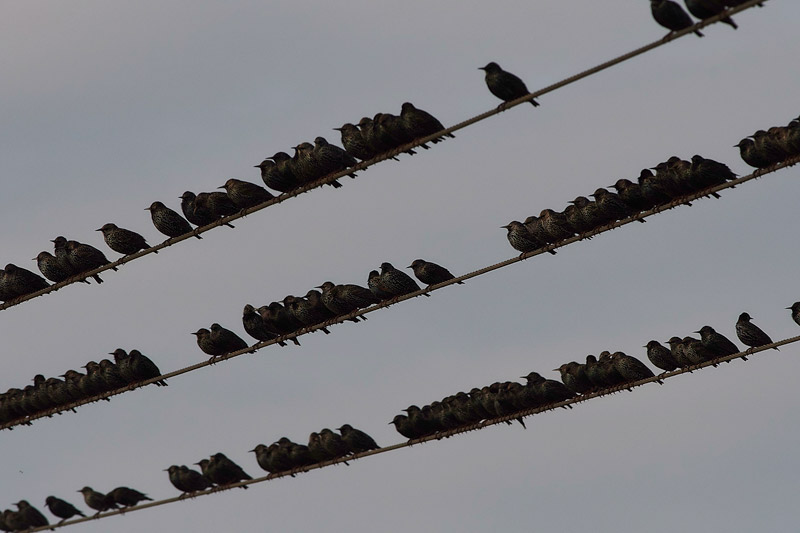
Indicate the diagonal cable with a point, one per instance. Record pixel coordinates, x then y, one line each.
385 155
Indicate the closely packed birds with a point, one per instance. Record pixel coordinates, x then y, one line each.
49 393
777 144
294 313
672 179
27 516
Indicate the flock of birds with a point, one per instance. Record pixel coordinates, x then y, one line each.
672 16
765 148
47 393
294 313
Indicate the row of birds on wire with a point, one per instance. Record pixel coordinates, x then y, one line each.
775 145
127 368
294 313
27 516
671 15
452 412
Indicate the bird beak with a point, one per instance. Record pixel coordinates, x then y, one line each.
251 450
221 187
695 332
146 209
554 370
409 266
101 229
165 470
338 129
256 166
506 226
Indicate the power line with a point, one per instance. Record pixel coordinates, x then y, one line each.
384 156
359 312
442 434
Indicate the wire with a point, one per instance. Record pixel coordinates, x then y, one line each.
342 318
442 434
384 156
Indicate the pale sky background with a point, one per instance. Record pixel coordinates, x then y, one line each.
108 107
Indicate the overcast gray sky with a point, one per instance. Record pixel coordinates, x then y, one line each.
108 107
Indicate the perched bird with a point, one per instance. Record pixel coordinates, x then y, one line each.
505 85
716 343
205 208
660 356
678 351
330 158
396 282
62 509
374 284
333 444
167 221
749 154
127 497
630 368
284 174
223 471
343 299
97 500
610 207
18 281
573 375
795 309
207 345
356 440
227 340
354 143
274 178
52 268
310 310
83 257
304 164
143 367
122 240
554 226
631 195
430 273
671 15
277 319
244 194
704 9
521 239
695 351
33 517
187 480
255 327
750 334
218 203
420 123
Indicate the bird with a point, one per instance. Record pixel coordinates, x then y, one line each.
631 195
273 178
207 345
52 268
205 208
430 273
795 309
84 257
716 343
330 158
750 334
244 194
62 509
671 15
123 241
420 123
255 327
357 441
32 516
310 310
187 480
333 444
127 497
277 319
223 471
168 222
397 282
749 154
521 239
704 9
354 142
21 281
573 375
660 356
97 500
554 226
143 367
505 85
630 368
227 340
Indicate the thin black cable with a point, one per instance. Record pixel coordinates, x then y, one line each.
359 312
384 156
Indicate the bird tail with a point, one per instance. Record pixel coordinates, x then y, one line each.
534 103
698 33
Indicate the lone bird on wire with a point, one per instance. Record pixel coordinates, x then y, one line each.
671 15
750 334
62 509
505 85
167 221
431 273
121 240
127 497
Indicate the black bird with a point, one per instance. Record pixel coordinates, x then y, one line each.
310 310
122 240
143 367
716 343
97 500
52 268
695 351
207 207
83 257
751 156
60 508
372 138
708 173
255 326
795 309
392 131
610 207
420 123
430 273
330 158
333 444
521 239
127 497
244 194
167 221
768 147
630 368
396 282
223 471
304 164
18 281
554 225
219 203
356 440
573 375
346 296
374 284
273 178
505 85
671 15
32 516
704 9
226 339
284 166
207 345
750 334
354 143
631 195
186 480
661 356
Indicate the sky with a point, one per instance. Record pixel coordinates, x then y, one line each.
108 107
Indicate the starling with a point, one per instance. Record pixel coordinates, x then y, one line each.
264 457
310 310
630 368
357 441
573 375
186 480
575 219
589 212
354 143
127 497
505 85
284 165
331 158
660 356
33 517
123 362
430 273
14 521
60 508
749 154
333 444
768 147
226 339
391 130
97 500
111 375
521 239
709 173
274 178
609 370
704 9
143 368
305 165
374 284
396 282
718 345
218 203
750 334
695 351
420 123
370 135
255 327
84 257
671 15
548 390
123 241
632 196
555 226
52 268
167 221
206 344
72 379
316 450
343 299
60 251
610 207
278 320
206 207
795 309
244 194
223 471
654 191
20 281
